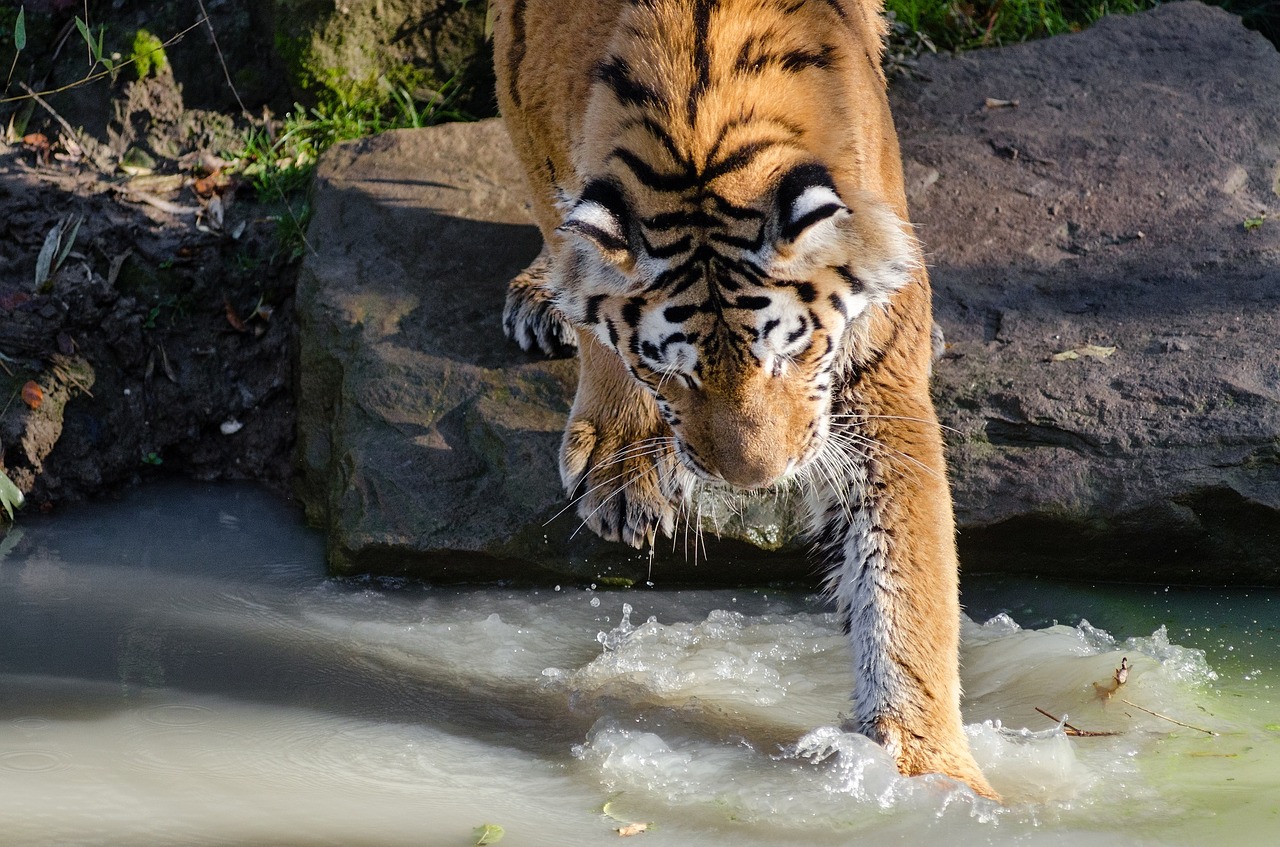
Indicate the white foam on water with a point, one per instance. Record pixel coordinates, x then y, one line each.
150 695
769 674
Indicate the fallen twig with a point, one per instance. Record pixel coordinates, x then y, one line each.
1167 718
1073 731
94 77
67 375
213 36
71 131
152 200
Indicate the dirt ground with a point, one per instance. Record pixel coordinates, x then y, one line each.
169 326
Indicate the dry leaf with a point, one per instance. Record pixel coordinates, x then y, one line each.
1091 351
1105 690
232 317
488 833
156 183
632 829
117 262
38 143
32 394
215 211
215 183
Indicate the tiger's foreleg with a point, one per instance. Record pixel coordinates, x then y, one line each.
618 456
887 538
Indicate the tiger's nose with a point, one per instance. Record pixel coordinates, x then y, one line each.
751 469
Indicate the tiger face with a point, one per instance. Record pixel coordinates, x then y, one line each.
734 305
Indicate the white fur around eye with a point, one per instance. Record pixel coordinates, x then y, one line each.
815 197
590 215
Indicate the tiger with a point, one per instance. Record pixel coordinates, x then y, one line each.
726 245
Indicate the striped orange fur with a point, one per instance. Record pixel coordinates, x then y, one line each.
719 187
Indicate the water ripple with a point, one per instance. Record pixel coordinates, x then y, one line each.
33 761
178 715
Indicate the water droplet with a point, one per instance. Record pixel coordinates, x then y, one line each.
595 602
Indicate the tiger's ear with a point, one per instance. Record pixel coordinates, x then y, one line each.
602 218
808 209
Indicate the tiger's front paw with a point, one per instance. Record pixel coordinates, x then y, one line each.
530 317
626 489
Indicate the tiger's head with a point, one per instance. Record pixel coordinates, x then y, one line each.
733 293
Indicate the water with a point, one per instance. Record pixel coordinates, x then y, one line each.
175 669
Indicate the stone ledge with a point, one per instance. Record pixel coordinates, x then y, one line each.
1105 209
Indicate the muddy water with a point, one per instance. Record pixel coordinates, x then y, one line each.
175 669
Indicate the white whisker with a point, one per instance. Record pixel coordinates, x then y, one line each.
858 417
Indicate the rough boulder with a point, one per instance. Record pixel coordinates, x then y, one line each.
1093 209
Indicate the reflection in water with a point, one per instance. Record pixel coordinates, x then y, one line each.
176 669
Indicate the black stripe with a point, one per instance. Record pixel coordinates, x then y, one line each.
738 159
616 73
738 213
631 311
684 284
753 59
671 276
666 251
674 338
798 333
516 56
804 290
749 59
837 8
796 61
676 220
855 285
648 177
861 369
701 55
749 269
606 240
659 132
751 243
837 303
753 302
808 219
728 283
593 308
679 314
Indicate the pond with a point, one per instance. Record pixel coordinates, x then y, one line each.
176 668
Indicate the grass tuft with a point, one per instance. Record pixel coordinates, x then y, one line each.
279 158
969 24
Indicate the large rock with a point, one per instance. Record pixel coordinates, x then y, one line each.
1105 210
1108 208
